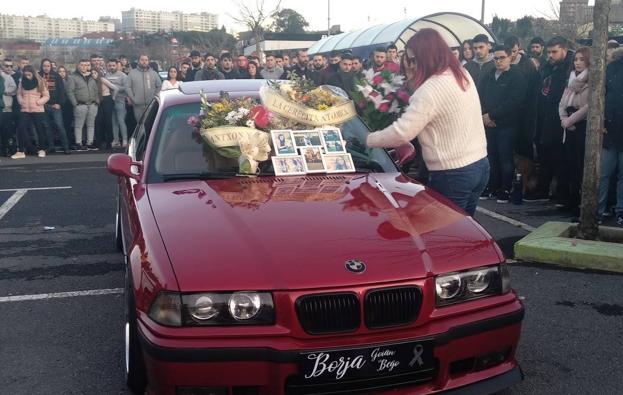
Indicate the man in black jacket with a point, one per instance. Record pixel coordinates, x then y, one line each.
209 71
227 67
344 77
548 139
482 63
612 153
53 107
300 68
502 93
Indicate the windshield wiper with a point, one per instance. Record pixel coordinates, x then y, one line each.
199 176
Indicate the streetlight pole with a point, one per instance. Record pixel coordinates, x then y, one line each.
482 13
328 17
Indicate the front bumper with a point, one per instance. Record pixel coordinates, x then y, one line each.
459 351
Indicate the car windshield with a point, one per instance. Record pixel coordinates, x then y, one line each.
178 153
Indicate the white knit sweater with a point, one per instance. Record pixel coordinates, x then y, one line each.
447 120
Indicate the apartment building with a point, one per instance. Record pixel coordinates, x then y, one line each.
137 20
40 28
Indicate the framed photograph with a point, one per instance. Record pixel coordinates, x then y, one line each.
338 163
312 158
330 134
288 165
307 138
283 142
332 147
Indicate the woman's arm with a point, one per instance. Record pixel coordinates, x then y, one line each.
418 114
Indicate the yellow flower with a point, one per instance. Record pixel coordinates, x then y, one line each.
323 107
218 107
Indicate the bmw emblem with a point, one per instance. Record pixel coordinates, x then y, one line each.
355 266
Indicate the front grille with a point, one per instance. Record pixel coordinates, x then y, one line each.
392 306
297 385
328 313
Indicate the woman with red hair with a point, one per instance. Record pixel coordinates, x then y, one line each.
444 113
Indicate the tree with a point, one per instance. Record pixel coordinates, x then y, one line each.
588 227
524 28
257 19
501 27
289 21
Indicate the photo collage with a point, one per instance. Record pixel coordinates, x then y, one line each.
310 151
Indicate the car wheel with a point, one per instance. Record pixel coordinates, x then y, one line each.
136 377
118 233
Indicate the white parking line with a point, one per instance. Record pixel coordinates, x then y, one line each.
19 193
57 295
8 205
506 219
33 189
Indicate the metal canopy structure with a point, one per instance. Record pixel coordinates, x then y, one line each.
453 27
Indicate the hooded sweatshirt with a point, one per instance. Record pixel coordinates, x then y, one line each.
478 68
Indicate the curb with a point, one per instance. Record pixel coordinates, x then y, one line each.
551 243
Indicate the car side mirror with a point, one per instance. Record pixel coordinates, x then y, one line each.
121 165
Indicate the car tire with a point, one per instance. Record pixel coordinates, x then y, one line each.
118 232
136 376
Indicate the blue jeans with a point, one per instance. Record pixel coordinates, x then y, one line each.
463 185
500 151
56 116
119 128
609 159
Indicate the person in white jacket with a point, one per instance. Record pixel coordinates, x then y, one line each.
444 114
171 82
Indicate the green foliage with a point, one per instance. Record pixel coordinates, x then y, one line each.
289 21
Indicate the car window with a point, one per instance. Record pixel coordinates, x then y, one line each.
145 127
177 150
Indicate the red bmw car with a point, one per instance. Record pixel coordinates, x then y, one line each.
365 282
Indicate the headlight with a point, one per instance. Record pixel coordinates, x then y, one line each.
244 305
472 284
166 309
202 307
228 308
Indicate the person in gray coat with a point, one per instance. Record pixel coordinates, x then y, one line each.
83 94
143 84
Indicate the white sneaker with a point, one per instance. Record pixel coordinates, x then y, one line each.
18 155
41 153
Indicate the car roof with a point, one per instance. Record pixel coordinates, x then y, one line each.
188 92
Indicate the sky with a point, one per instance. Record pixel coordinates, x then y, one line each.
343 12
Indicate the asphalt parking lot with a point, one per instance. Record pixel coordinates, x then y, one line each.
57 238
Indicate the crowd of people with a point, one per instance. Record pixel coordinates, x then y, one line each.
533 102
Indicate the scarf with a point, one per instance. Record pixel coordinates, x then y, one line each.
29 84
576 84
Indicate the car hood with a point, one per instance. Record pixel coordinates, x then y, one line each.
298 232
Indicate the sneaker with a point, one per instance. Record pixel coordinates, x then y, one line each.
91 147
620 219
18 155
486 194
535 197
115 144
503 197
41 153
124 144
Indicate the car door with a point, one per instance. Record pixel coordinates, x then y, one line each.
130 190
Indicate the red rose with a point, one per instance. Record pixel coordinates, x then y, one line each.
377 79
260 115
361 104
403 96
384 107
390 97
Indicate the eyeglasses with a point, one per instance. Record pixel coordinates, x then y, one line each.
499 58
